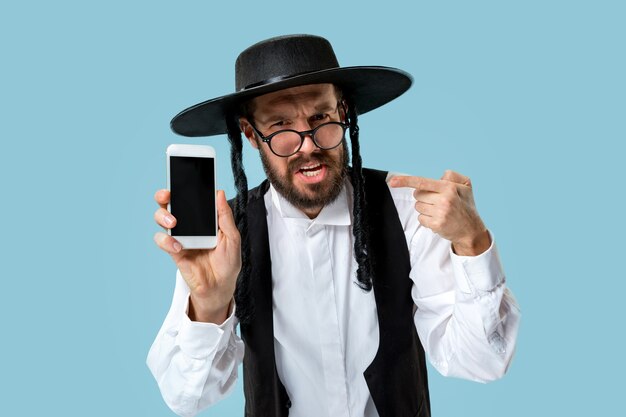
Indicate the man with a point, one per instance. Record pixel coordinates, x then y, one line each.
340 277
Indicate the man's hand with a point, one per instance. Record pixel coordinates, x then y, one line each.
447 207
211 274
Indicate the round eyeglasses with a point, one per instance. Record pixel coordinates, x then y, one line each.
287 142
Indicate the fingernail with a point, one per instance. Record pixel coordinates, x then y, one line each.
177 246
168 220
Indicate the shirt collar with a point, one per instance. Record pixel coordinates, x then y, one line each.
337 213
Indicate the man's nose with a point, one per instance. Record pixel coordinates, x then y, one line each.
308 146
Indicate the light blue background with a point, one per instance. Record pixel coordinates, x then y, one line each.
527 98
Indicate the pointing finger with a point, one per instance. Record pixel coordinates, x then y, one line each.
419 183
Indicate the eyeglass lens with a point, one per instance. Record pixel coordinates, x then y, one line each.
327 136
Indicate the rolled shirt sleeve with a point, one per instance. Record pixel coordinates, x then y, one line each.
195 364
466 317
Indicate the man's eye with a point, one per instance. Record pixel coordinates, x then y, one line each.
278 124
319 117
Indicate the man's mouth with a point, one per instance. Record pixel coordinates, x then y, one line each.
311 170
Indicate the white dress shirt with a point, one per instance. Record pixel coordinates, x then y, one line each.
326 327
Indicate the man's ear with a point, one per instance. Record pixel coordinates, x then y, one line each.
248 132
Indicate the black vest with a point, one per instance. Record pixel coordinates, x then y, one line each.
396 378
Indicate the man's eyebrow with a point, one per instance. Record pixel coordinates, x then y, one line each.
276 117
324 107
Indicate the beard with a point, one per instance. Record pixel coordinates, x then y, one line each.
320 194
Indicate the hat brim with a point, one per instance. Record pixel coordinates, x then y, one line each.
367 87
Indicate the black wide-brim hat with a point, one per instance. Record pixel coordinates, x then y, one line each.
291 61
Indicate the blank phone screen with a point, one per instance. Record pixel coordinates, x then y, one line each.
192 186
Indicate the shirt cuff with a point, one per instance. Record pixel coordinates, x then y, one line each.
482 272
199 340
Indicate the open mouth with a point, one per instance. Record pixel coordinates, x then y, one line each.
311 170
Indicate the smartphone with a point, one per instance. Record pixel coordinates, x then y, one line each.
191 182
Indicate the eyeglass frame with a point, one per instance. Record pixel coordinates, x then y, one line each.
311 132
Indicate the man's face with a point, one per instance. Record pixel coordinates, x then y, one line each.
312 177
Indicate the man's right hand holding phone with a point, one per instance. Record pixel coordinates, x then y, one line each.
211 274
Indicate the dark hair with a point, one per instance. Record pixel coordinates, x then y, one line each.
360 221
242 298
